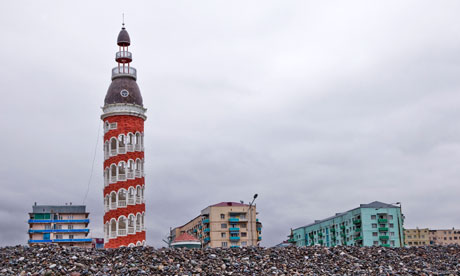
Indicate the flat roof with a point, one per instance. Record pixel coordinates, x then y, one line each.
65 209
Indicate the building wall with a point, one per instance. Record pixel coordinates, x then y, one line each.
417 237
444 236
213 227
357 227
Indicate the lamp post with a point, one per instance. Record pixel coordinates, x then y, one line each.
250 219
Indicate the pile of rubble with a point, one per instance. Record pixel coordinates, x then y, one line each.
54 260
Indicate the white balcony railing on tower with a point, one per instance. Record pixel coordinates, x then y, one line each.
122 150
130 174
124 71
131 201
130 147
138 199
121 232
124 54
138 147
122 177
113 205
131 230
138 173
113 152
122 203
138 227
113 178
113 234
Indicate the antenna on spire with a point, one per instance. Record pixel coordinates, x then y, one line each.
123 19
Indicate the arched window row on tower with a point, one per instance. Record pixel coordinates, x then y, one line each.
124 226
123 143
122 198
124 171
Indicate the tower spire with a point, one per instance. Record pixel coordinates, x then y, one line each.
123 20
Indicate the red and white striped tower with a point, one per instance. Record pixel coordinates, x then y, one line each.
124 116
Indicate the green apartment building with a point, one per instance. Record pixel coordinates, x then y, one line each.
373 224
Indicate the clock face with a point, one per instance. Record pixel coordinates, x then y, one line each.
124 93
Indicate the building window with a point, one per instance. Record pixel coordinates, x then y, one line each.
243 225
390 217
373 217
374 225
244 243
410 243
244 234
376 242
223 225
392 225
59 236
445 238
69 226
113 125
224 244
70 217
392 243
392 234
47 226
242 216
222 216
70 236
223 235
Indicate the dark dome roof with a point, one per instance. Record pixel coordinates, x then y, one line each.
123 83
123 38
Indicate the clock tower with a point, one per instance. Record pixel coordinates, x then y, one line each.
123 117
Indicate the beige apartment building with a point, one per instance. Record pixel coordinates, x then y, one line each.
226 224
417 237
445 236
66 225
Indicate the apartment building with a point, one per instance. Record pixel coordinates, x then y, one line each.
444 236
66 225
417 237
373 224
226 224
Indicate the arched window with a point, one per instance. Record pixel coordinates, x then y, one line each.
142 222
138 168
106 230
122 198
142 193
130 142
131 196
138 194
142 141
122 226
107 206
113 173
122 171
106 149
130 169
138 222
113 228
138 141
106 177
113 146
121 143
131 245
142 167
113 200
131 224
138 243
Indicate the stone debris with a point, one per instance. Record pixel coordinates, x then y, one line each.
55 260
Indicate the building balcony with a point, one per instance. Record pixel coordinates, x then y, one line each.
72 240
234 246
123 56
383 229
357 221
124 72
259 238
234 229
343 235
384 238
206 230
342 227
31 231
386 245
333 230
259 229
320 242
207 239
58 221
206 221
358 230
233 220
359 238
39 241
234 238
382 220
320 234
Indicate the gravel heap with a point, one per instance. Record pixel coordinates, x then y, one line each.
55 260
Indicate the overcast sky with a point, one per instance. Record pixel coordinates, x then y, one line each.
317 106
